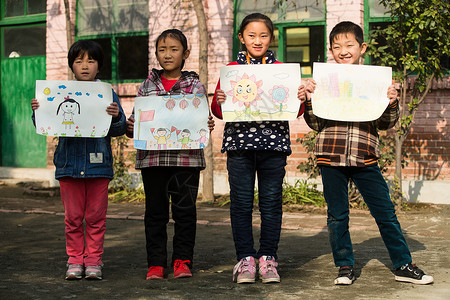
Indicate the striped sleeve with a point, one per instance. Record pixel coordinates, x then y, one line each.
389 117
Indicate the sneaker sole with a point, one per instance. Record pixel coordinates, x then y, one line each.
154 277
246 280
343 281
183 275
271 280
425 279
93 277
73 277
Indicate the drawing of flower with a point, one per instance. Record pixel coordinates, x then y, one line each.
246 90
93 131
279 95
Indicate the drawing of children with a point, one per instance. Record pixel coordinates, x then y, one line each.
68 106
161 137
203 139
185 134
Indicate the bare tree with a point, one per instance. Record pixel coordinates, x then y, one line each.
208 182
68 30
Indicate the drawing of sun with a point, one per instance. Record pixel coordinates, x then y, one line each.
246 90
279 94
47 91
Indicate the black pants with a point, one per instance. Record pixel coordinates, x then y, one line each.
162 185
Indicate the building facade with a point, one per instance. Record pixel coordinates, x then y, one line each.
34 35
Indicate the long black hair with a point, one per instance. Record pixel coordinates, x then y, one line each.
68 100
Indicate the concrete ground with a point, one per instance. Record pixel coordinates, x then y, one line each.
32 255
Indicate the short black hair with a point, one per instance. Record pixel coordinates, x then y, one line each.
347 27
92 48
175 34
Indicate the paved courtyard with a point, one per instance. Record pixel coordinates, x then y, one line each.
33 256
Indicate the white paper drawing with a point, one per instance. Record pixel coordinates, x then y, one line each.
171 122
260 92
73 108
352 93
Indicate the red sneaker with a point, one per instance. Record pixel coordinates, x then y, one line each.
181 269
155 272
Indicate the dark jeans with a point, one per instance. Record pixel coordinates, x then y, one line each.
269 167
375 192
178 185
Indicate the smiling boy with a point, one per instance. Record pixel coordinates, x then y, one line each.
349 151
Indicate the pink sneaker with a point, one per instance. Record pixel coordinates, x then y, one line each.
268 269
244 271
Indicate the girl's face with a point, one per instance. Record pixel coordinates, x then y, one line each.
69 107
256 37
170 55
85 68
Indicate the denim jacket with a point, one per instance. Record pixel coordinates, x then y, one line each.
81 157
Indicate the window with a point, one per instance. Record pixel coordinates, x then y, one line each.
375 18
121 28
23 30
299 29
23 41
20 8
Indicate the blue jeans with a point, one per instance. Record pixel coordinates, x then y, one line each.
269 167
375 193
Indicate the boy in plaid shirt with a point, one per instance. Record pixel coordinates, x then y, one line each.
349 150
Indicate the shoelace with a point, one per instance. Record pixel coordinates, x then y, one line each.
414 269
181 263
246 266
270 266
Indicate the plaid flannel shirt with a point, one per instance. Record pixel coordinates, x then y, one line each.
349 144
188 83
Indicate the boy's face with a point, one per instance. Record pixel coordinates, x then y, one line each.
85 68
346 49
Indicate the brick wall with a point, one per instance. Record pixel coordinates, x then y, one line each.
428 141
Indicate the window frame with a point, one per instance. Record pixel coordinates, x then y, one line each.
281 27
113 37
24 19
368 20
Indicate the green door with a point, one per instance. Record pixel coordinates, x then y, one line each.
20 145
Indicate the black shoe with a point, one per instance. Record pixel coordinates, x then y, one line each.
346 275
411 273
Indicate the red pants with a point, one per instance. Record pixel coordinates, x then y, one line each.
84 198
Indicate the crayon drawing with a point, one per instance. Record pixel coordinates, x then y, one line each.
353 93
260 92
73 108
171 122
